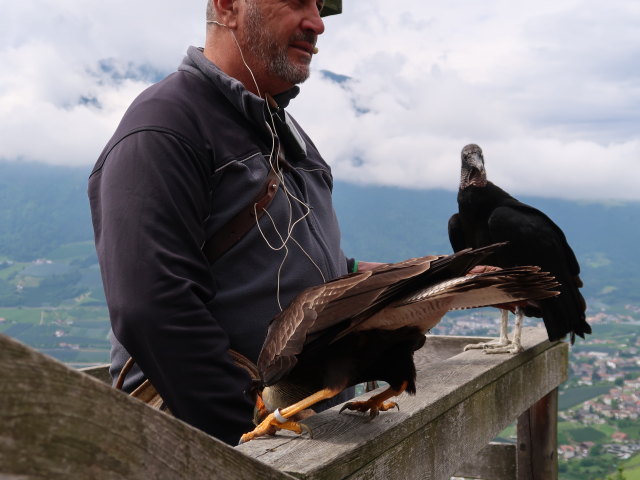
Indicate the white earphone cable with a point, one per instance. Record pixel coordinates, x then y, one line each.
275 166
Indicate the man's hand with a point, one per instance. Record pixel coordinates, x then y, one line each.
366 266
483 269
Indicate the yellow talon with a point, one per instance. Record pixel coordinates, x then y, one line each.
280 420
373 408
270 425
377 403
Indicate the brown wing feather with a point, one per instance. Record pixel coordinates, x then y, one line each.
424 308
351 299
288 330
489 288
439 268
359 298
318 308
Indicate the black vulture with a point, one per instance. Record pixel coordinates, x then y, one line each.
366 326
487 214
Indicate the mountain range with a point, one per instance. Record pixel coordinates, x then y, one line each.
45 207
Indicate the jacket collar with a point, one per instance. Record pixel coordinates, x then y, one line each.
250 105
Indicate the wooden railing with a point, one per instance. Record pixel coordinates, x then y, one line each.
56 422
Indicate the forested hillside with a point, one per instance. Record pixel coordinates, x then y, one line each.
41 208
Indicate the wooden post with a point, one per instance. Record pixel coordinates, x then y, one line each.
496 461
538 440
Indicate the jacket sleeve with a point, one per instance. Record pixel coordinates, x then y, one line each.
149 200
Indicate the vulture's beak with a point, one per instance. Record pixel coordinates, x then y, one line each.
475 167
473 172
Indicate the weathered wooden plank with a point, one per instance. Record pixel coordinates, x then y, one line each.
537 440
75 426
496 461
57 423
463 401
436 450
99 372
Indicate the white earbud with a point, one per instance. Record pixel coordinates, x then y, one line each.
217 23
315 50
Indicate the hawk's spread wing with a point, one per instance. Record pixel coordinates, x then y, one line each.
288 330
319 308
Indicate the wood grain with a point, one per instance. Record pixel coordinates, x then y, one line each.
496 461
99 372
57 423
537 440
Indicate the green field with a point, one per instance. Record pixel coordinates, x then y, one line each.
632 468
577 395
586 434
573 432
72 251
632 430
75 334
8 271
69 275
19 315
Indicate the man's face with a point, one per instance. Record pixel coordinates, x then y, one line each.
281 36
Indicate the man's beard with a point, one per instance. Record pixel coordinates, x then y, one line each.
262 44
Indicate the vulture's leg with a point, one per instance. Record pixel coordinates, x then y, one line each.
502 342
377 403
504 327
516 345
279 419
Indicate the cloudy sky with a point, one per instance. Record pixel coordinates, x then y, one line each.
549 89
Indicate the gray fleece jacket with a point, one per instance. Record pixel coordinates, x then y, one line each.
188 155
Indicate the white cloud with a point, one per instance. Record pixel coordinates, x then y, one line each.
57 102
549 89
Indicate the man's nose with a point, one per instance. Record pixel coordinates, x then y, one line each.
312 20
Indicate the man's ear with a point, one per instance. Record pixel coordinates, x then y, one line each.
227 12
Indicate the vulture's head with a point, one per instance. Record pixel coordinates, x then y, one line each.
473 172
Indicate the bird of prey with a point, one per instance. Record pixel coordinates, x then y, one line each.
366 326
487 214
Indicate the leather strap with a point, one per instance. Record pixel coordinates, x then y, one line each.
236 228
147 393
239 359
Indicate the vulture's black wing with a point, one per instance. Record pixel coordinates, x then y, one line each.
456 234
534 239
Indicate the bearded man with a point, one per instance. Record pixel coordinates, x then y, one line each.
184 283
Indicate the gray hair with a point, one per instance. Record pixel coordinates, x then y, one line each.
211 12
